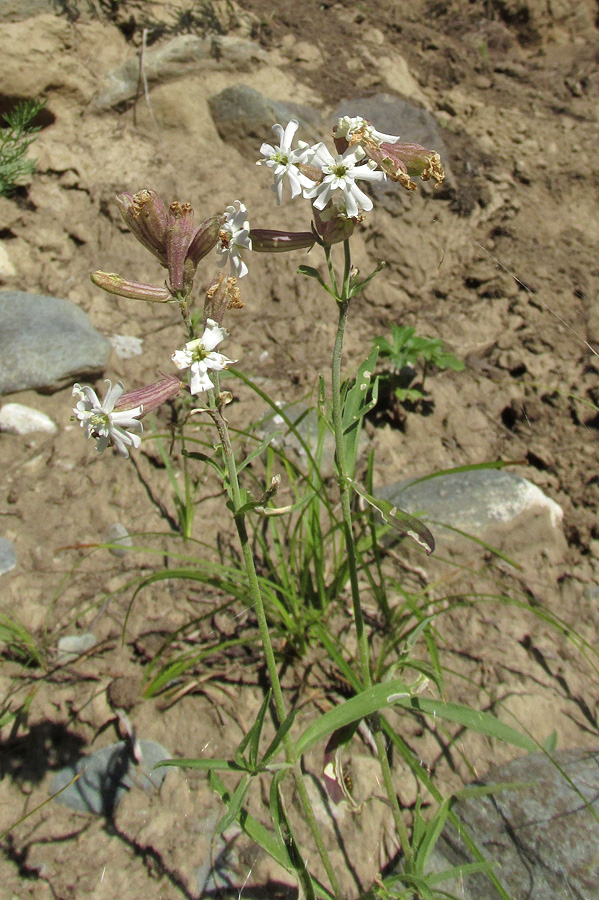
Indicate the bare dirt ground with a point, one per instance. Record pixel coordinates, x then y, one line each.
503 269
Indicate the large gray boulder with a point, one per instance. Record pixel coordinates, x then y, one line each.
542 838
46 342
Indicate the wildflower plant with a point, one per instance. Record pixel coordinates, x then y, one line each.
334 184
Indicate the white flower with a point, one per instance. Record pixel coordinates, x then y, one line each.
234 236
350 125
341 173
285 161
199 356
102 423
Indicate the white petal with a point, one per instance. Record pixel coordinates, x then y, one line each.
199 380
213 335
289 134
182 359
112 395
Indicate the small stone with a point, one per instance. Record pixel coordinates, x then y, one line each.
8 559
72 646
118 534
107 775
126 346
18 419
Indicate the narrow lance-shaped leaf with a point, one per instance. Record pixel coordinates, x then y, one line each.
400 521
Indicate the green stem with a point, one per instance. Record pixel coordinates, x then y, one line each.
240 524
344 488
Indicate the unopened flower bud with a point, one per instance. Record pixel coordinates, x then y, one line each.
179 232
222 294
205 238
132 290
151 396
144 215
333 225
266 241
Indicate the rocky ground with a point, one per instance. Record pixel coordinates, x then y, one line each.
501 264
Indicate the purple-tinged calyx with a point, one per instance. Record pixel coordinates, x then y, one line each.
145 216
132 290
179 232
265 240
151 396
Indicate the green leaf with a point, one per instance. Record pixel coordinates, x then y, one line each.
234 805
474 720
357 287
205 765
384 696
359 707
256 730
286 837
550 742
359 399
258 451
311 272
253 828
400 521
203 457
282 731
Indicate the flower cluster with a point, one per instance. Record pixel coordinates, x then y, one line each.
333 183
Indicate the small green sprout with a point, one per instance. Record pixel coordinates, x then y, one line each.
403 354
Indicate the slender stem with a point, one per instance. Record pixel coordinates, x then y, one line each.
271 665
344 489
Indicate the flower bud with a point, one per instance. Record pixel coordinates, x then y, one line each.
151 396
179 232
332 225
266 241
132 290
144 215
205 238
222 294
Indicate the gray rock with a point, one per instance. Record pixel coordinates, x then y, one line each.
71 646
174 59
475 502
8 559
244 117
413 124
45 342
18 419
305 421
118 534
542 838
107 774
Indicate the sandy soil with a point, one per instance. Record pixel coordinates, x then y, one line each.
504 270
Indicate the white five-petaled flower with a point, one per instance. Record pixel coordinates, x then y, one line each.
285 161
234 236
105 424
199 356
341 173
350 125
